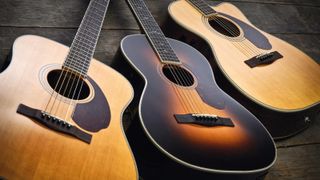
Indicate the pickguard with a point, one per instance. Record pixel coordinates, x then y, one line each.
94 115
250 33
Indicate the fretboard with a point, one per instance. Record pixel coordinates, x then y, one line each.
203 7
153 32
85 41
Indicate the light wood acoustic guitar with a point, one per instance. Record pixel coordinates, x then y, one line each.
184 113
274 80
59 118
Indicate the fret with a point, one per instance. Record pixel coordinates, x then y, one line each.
89 34
102 3
77 68
92 21
203 7
77 56
95 13
98 6
92 26
84 43
77 61
75 64
155 35
89 28
81 56
83 36
85 48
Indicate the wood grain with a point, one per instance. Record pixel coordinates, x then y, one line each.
33 151
295 26
68 14
301 162
289 84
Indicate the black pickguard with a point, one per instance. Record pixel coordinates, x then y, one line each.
94 115
250 33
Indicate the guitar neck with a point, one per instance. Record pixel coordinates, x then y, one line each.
156 37
85 41
202 6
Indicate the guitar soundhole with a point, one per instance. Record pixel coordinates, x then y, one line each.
178 75
224 26
68 84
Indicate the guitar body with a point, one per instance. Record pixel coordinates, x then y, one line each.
283 94
30 150
246 148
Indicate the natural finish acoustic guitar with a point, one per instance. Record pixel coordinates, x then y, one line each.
59 118
271 78
185 114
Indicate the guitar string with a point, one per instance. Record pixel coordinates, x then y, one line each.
184 72
74 102
255 51
85 62
235 34
171 72
198 6
186 94
58 98
54 90
180 79
183 94
71 63
186 80
70 76
68 73
79 92
183 81
78 79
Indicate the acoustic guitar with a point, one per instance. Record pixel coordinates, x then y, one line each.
59 118
184 113
274 80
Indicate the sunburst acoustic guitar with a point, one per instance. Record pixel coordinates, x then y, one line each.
59 118
185 114
271 78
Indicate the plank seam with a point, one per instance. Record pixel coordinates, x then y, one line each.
297 145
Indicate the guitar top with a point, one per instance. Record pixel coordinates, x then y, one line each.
59 118
266 69
185 114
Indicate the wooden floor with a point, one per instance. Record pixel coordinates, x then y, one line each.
296 21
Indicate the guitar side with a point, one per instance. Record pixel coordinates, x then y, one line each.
285 89
31 150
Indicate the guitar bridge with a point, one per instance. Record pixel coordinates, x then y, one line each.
203 120
265 58
54 123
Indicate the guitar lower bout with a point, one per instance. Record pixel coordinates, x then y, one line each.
47 144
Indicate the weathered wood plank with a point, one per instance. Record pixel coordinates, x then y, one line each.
309 136
302 162
275 18
107 45
272 18
68 14
110 39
